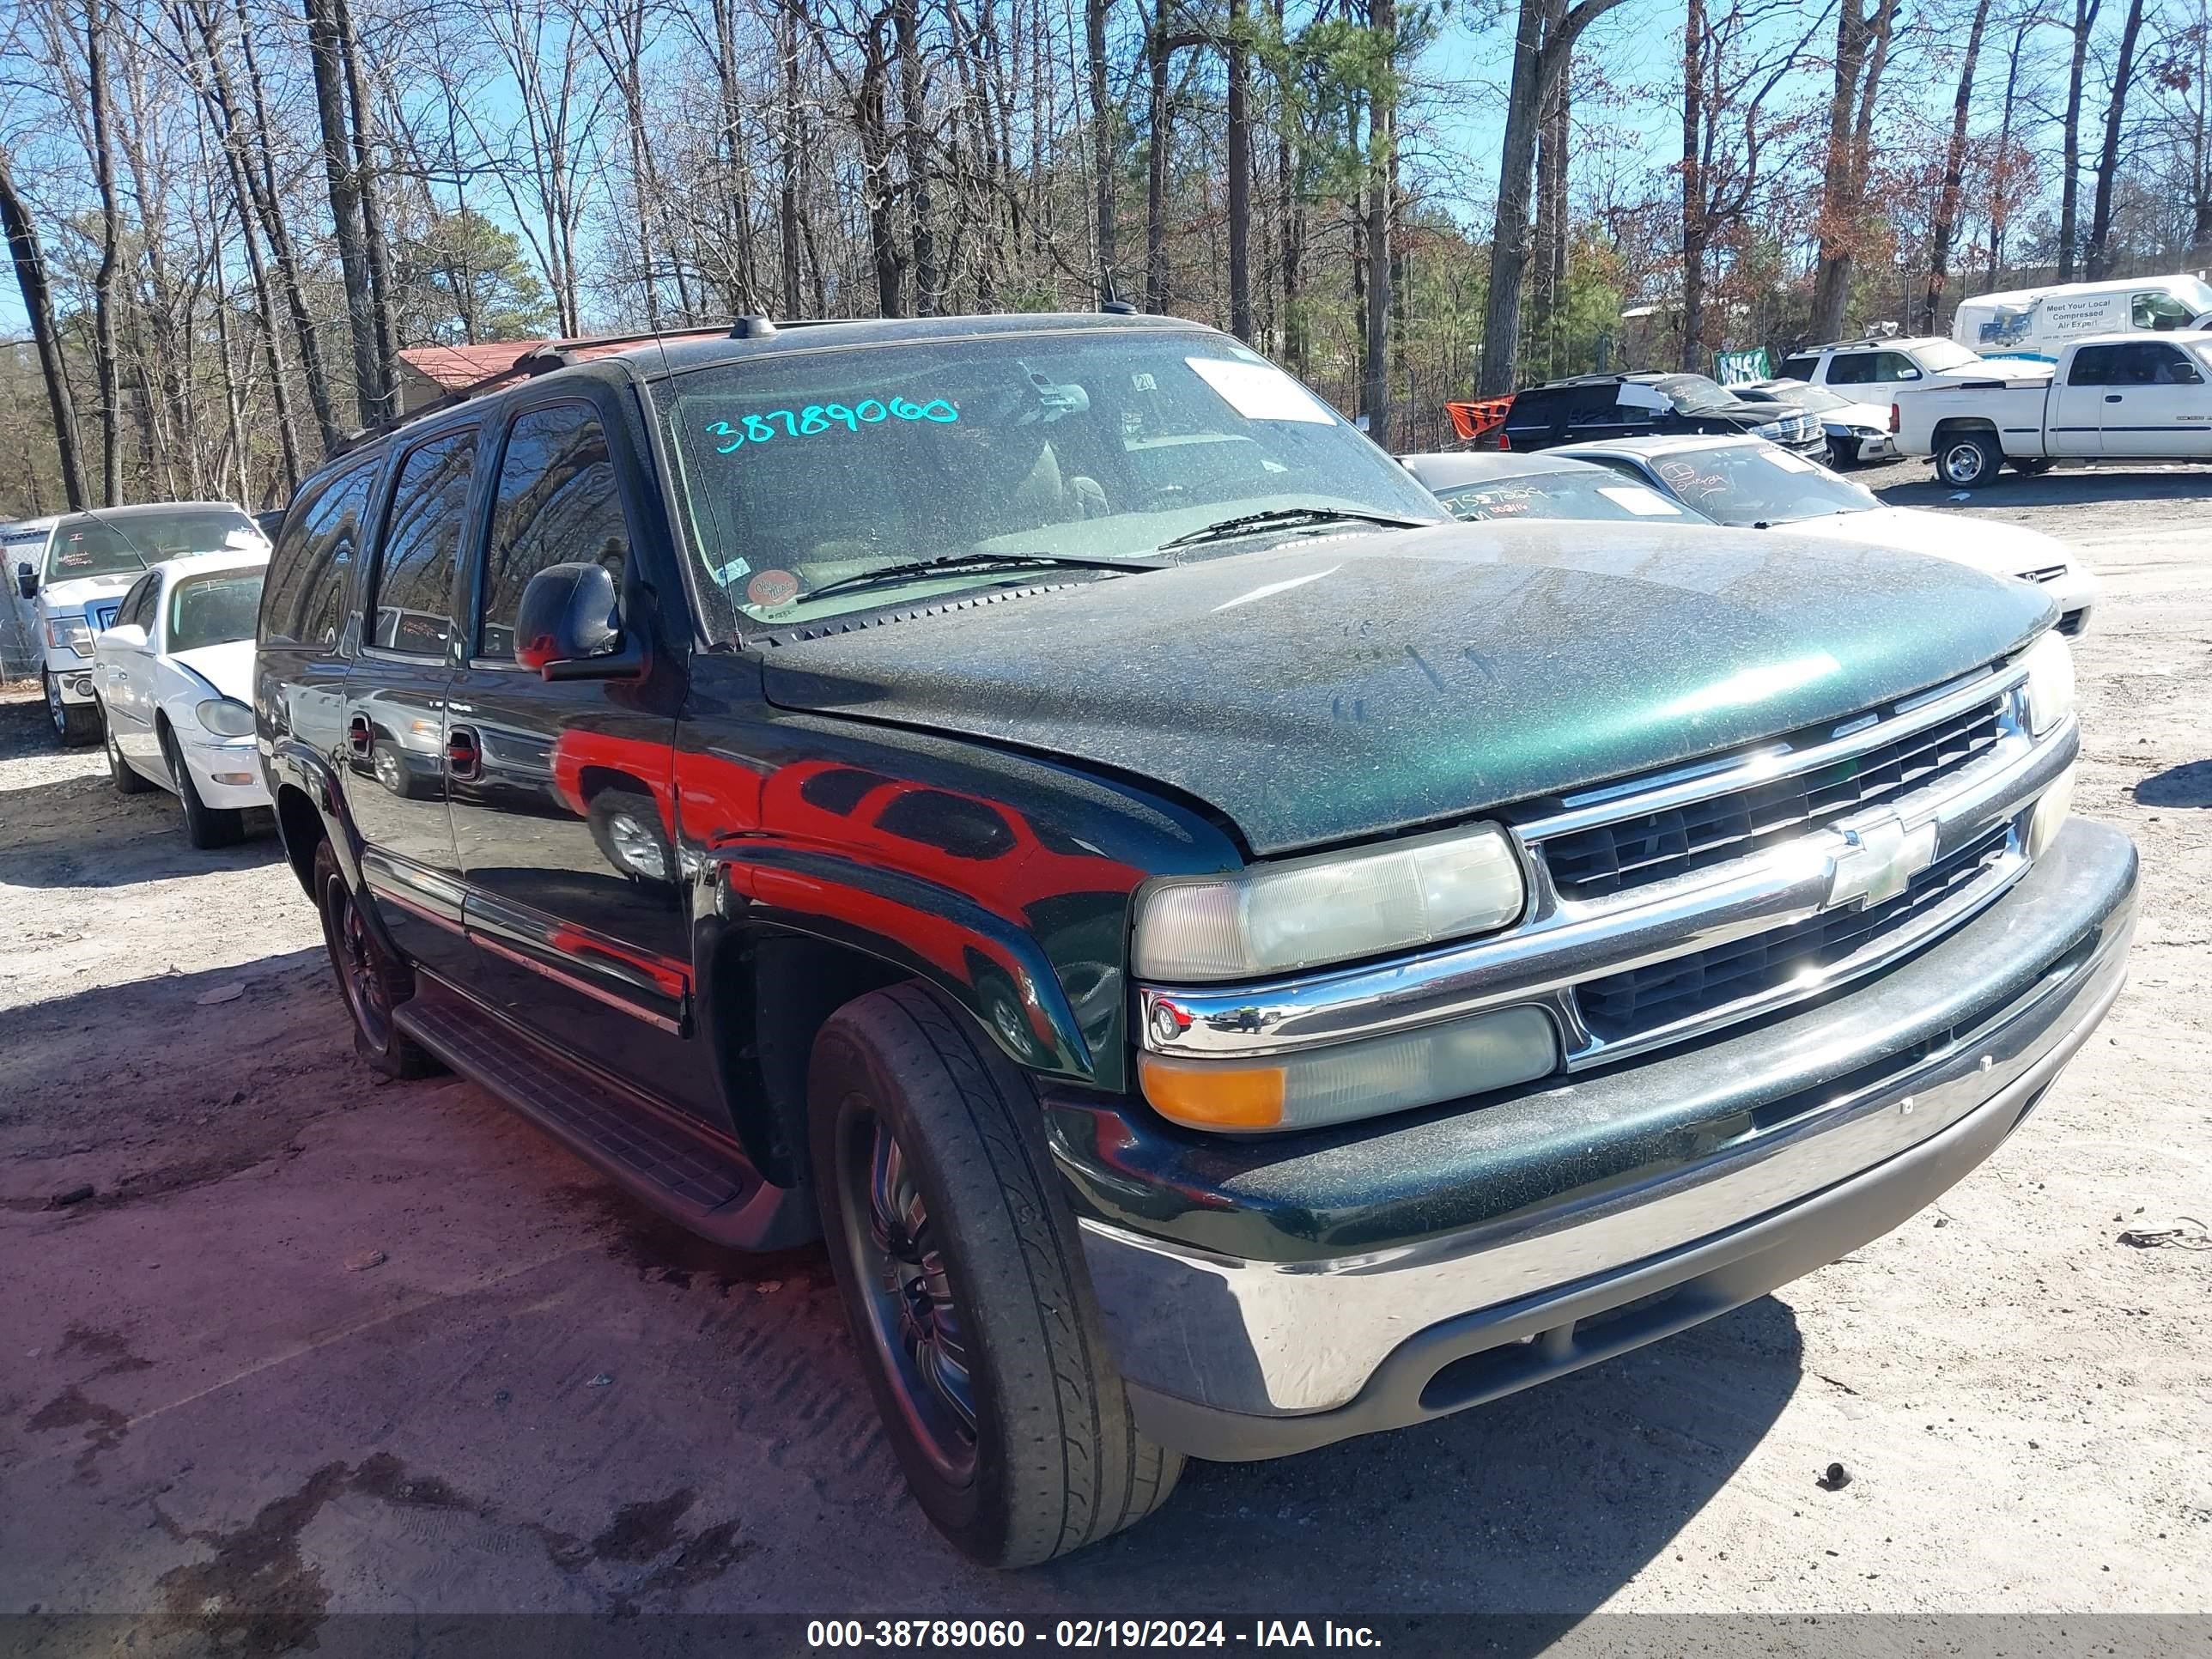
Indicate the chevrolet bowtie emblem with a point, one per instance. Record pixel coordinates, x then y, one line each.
1879 858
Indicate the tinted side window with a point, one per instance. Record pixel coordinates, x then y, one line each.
2156 365
1851 368
2093 366
135 606
1799 369
1895 366
557 503
421 539
306 594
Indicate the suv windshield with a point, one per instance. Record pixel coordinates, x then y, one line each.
89 545
1754 483
1937 355
844 468
1591 494
1813 399
213 608
1693 394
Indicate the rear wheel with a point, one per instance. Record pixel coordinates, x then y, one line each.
962 1277
626 828
119 772
374 981
75 724
1969 460
205 826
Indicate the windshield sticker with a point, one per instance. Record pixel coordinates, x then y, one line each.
727 576
1643 503
824 417
1259 391
772 589
1786 461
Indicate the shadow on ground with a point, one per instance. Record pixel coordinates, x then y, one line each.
2064 486
2188 784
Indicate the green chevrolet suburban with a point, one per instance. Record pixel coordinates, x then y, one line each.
1226 958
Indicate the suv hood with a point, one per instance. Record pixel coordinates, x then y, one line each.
2007 550
1356 685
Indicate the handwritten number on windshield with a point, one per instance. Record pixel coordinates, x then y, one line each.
823 417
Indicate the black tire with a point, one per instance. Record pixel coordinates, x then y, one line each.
1843 454
371 981
905 1096
75 724
2034 468
119 773
1969 460
627 829
205 827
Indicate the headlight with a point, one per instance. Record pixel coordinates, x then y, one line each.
2050 814
69 634
1337 906
2050 683
1349 1080
1772 429
226 717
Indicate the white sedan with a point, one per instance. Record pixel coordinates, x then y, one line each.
1756 485
173 673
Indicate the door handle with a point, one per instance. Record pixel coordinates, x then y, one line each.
464 754
2111 397
357 734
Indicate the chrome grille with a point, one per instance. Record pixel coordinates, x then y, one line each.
2050 573
100 617
1651 847
1683 988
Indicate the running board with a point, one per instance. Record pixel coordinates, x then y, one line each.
707 1187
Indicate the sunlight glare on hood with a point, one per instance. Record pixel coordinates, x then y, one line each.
1756 686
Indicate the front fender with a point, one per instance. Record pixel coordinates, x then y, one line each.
992 967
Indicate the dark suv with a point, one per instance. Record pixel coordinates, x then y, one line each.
1227 957
1645 405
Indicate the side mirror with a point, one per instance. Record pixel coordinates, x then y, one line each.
1908 374
27 581
569 627
127 634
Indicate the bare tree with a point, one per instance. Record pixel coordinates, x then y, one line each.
1954 173
29 258
2097 256
2069 183
1862 50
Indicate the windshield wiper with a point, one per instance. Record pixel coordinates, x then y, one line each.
1222 529
952 562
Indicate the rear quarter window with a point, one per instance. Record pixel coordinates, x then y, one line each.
305 600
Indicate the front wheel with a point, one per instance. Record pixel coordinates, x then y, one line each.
1843 453
75 724
206 827
1970 460
962 1281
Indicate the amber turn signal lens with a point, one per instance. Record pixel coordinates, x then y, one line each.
1209 1096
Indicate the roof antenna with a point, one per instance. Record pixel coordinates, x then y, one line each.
1109 301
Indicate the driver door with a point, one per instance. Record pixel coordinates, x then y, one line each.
125 679
2075 412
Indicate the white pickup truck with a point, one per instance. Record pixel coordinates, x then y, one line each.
2113 397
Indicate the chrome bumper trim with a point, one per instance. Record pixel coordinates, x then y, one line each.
1276 1338
1565 942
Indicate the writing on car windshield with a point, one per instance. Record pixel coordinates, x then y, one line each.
110 544
1557 495
1756 483
831 481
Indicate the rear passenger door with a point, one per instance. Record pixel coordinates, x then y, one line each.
395 696
562 792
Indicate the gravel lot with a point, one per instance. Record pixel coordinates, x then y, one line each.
315 1346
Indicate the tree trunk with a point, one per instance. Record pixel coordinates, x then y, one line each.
105 365
1240 172
906 24
1552 121
1101 147
1861 47
787 202
1954 170
1694 223
2099 258
2069 184
1539 61
30 262
369 189
324 53
1161 119
1382 136
266 205
2000 169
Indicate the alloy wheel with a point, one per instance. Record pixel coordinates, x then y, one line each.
914 1317
359 968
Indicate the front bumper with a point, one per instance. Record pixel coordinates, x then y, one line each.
211 763
72 675
2076 594
1267 1299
